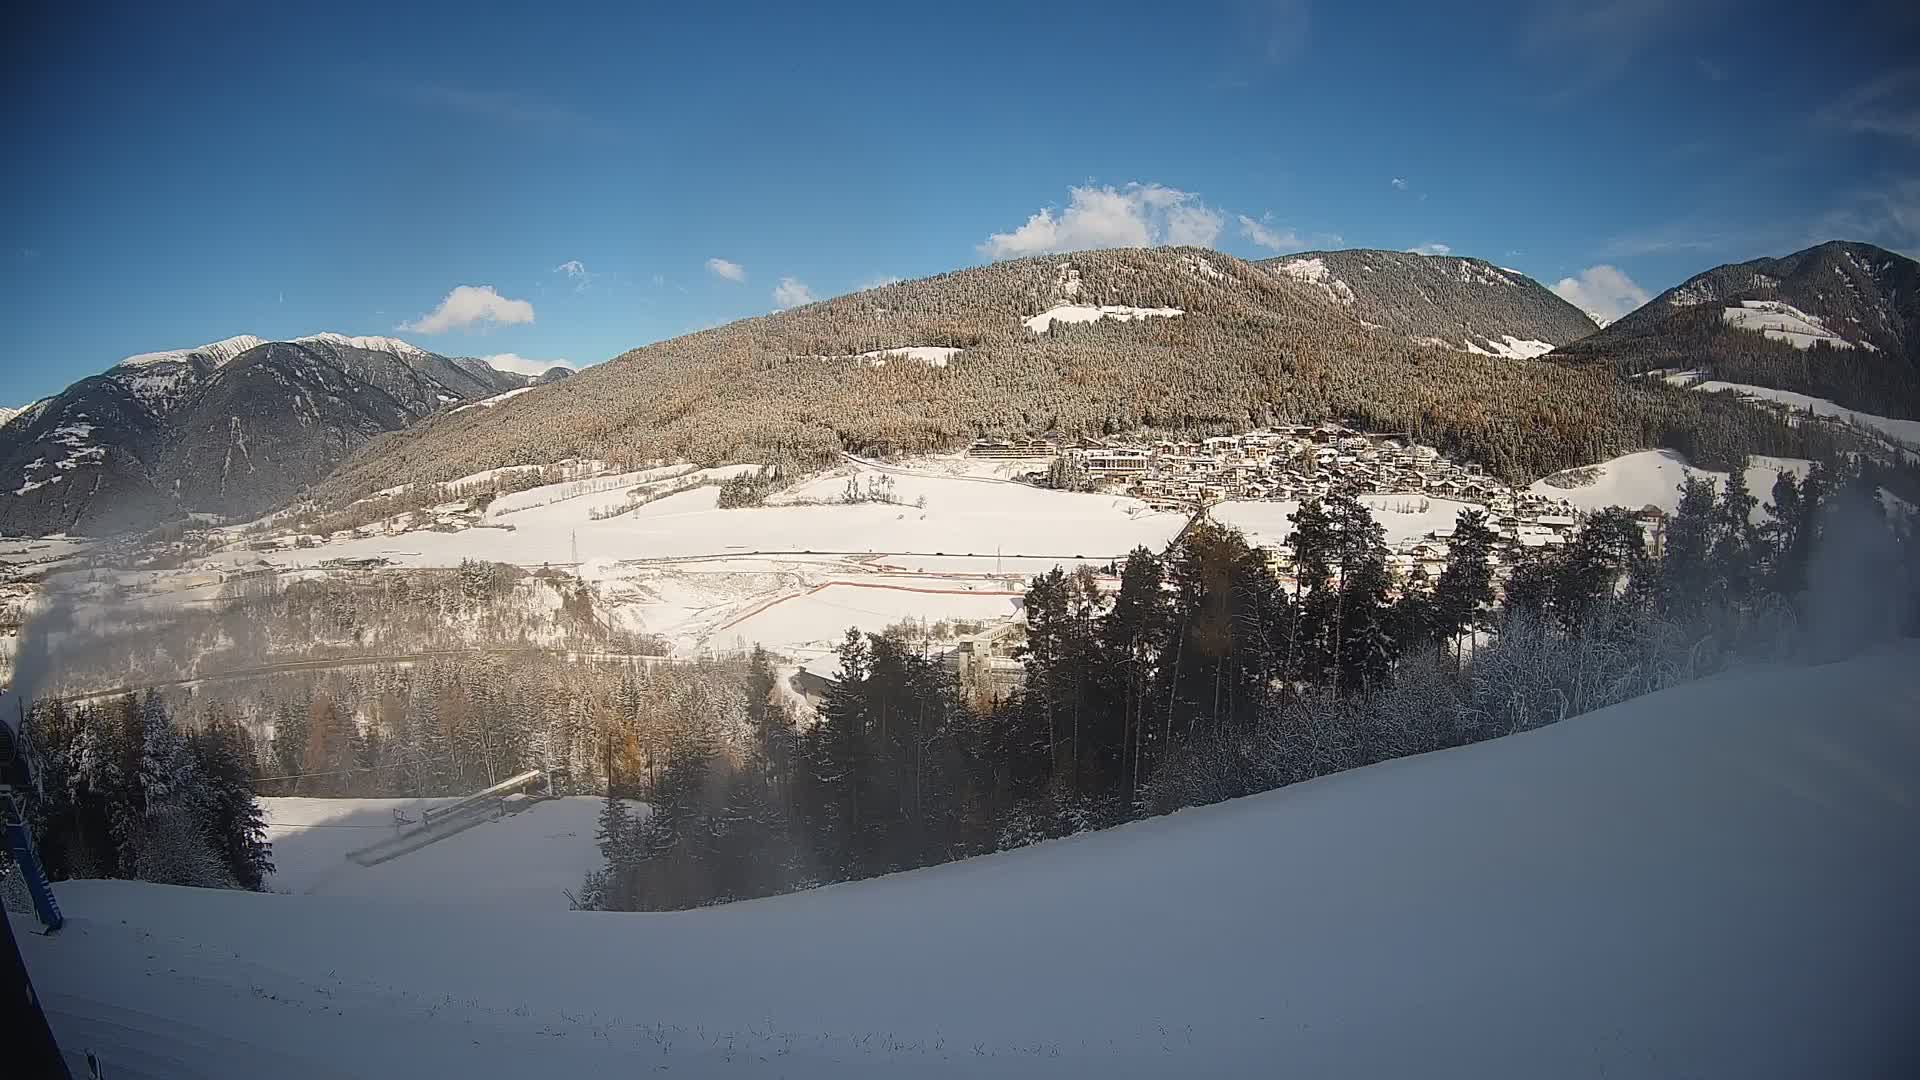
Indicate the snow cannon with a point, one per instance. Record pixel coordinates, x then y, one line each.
16 781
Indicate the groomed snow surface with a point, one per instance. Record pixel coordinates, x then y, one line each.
1717 880
551 845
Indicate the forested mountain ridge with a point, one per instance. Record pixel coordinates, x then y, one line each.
1839 320
234 427
1196 341
1467 304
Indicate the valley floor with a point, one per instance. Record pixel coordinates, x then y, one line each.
1716 880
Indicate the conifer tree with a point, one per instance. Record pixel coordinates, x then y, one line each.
237 831
1464 592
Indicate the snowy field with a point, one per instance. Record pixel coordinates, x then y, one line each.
809 626
1717 880
1086 313
1653 478
1402 517
1512 348
930 355
522 862
22 557
791 576
1783 322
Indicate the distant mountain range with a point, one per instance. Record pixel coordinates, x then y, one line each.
1839 321
1443 300
1475 358
234 427
1100 342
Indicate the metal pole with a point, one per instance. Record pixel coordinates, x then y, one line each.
20 840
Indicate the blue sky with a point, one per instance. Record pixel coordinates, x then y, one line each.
558 182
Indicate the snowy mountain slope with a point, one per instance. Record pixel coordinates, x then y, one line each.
1251 344
1904 433
1839 321
215 353
1716 880
1085 313
162 381
1784 322
1468 305
231 427
1653 478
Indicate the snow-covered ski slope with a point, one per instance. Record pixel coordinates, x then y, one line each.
1653 478
1905 432
525 861
1718 880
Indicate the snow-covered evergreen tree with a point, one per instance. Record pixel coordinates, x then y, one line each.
173 850
235 828
166 765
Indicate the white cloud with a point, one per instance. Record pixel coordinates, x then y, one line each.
1602 290
1399 183
1137 215
732 271
876 283
791 293
576 272
1430 249
468 306
1264 234
522 365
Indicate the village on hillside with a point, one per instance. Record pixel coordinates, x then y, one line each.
1302 462
1406 484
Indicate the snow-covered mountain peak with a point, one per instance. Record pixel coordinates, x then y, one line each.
219 352
370 344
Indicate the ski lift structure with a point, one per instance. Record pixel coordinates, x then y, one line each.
510 796
16 780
